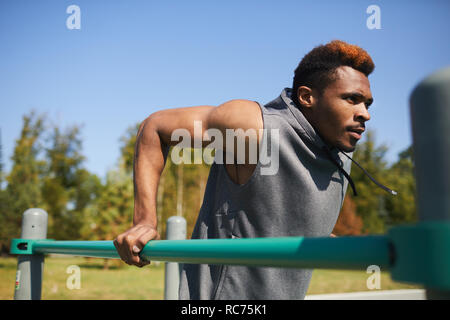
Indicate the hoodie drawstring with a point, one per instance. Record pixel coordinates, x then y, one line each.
330 156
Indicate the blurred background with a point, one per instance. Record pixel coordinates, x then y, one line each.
77 78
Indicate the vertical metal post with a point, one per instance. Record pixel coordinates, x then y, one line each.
30 267
430 116
176 230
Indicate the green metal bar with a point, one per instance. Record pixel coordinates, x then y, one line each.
289 252
95 249
422 254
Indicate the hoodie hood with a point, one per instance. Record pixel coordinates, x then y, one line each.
333 154
310 132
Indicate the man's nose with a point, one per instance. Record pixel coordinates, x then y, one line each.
362 112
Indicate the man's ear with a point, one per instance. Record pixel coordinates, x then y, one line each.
306 97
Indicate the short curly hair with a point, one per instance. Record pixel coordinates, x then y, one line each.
317 69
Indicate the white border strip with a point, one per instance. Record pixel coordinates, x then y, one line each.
406 294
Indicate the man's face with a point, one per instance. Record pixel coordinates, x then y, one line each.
340 112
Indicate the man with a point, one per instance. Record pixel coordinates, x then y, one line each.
315 122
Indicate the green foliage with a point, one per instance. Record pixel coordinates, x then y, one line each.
128 141
24 181
369 201
378 209
1 162
402 209
111 213
67 188
47 173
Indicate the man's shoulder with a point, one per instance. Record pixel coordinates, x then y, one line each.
238 113
241 105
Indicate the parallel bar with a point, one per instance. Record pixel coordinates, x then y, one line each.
95 249
289 252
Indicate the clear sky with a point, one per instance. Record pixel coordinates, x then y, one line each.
131 58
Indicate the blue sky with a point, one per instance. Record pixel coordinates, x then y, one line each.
131 58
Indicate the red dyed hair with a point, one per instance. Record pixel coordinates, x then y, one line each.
317 68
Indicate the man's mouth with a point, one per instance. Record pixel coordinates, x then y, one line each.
356 132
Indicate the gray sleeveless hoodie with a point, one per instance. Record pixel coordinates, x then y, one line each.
303 198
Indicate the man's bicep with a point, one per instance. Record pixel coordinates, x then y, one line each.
236 114
204 124
240 123
173 125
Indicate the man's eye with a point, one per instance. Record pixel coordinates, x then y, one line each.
350 99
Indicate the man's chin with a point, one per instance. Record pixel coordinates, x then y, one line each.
346 148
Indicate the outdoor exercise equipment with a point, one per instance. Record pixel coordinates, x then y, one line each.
418 253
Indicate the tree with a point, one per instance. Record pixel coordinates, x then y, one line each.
348 223
110 214
24 188
370 200
402 208
1 162
128 141
68 189
112 211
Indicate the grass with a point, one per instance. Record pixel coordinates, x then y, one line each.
123 282
336 281
119 282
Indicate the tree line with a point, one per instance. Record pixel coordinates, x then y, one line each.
48 172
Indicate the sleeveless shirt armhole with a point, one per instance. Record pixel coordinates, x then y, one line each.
258 163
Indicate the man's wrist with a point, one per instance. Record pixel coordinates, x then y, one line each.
144 221
144 218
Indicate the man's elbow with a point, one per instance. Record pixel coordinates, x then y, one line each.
150 120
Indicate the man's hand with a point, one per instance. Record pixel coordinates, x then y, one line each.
130 243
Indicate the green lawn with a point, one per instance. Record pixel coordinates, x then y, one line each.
121 281
334 281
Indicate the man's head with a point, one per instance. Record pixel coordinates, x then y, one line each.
332 90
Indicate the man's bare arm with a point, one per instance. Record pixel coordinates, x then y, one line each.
152 145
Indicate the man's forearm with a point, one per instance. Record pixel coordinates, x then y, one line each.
149 160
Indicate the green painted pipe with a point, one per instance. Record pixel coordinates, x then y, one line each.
95 249
291 252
